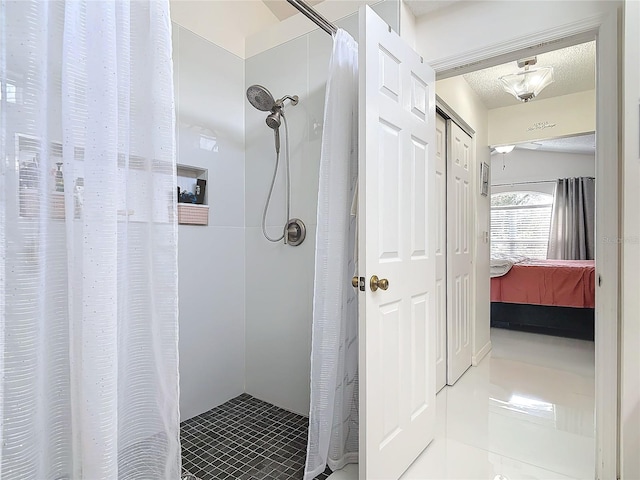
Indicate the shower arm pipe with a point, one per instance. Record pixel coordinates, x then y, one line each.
313 15
294 100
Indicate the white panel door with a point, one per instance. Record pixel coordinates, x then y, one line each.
459 162
396 207
441 252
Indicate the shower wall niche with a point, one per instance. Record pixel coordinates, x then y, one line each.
193 180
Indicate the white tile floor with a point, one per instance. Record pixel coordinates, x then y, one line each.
526 412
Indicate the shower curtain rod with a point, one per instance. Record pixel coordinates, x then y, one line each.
312 14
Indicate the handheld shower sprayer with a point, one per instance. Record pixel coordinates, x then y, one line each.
294 230
274 120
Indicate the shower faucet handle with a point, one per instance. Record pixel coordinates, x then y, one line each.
295 232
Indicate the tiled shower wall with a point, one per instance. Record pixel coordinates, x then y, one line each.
279 278
246 304
209 86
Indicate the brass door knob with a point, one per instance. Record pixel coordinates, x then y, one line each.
378 283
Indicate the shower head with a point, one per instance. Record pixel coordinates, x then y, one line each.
274 118
260 98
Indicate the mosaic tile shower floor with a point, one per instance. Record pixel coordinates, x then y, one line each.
245 439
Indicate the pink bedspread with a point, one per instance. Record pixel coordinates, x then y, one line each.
564 283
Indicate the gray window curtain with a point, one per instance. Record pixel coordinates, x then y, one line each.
572 234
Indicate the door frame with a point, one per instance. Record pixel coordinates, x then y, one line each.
604 28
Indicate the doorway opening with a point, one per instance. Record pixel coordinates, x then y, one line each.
606 361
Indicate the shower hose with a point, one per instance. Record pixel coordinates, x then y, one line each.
273 182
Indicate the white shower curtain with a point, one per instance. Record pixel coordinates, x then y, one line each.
333 417
88 259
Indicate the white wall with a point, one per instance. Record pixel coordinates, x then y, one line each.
537 166
570 115
225 23
407 25
279 285
209 85
279 278
457 93
482 25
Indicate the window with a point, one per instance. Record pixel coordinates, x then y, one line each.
520 223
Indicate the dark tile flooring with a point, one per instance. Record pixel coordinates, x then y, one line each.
247 439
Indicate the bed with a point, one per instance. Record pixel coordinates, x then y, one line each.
555 297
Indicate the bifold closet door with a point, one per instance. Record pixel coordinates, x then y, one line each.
441 252
460 158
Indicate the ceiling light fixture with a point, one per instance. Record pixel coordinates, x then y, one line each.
526 85
505 148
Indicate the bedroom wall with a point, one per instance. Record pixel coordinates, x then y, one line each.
457 93
537 166
562 116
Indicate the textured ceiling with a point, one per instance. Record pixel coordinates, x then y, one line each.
283 10
574 71
585 144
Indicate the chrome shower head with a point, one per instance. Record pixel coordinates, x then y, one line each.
260 98
274 119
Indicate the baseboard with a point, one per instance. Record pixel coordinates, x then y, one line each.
477 358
